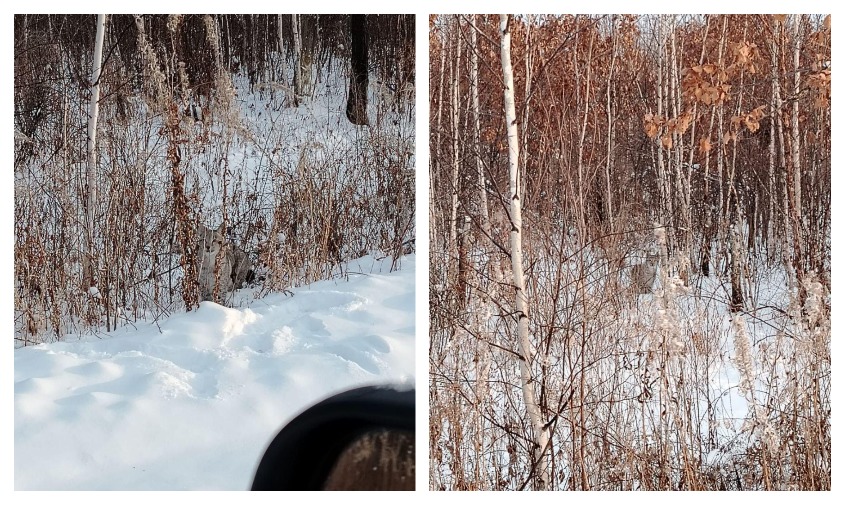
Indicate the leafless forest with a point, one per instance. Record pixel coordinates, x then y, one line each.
132 131
630 252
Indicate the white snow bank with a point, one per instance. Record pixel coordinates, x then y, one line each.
192 401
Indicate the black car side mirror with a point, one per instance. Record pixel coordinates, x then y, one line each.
362 439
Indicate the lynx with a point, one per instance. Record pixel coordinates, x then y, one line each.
235 266
643 274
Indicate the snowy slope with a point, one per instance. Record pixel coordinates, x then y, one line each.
190 402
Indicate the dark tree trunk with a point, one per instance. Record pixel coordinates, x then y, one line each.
705 258
737 298
356 107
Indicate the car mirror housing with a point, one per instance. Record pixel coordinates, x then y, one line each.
361 439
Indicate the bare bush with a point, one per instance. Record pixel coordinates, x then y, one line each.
194 133
679 331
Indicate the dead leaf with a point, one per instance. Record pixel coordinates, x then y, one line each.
752 124
758 113
704 145
683 122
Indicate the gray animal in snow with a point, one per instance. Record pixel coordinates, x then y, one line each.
643 274
236 268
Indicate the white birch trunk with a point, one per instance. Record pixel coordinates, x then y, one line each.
796 134
661 168
795 154
774 112
456 164
523 165
541 435
484 209
482 372
90 176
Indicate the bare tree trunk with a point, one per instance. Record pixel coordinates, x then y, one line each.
774 112
484 209
608 198
683 210
435 159
582 178
214 39
709 219
284 77
356 105
88 278
482 349
736 261
796 134
795 172
780 120
693 152
456 164
297 56
540 433
526 111
733 213
662 176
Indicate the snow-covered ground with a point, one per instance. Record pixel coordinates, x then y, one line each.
191 401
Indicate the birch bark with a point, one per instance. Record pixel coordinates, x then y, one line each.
90 175
539 432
